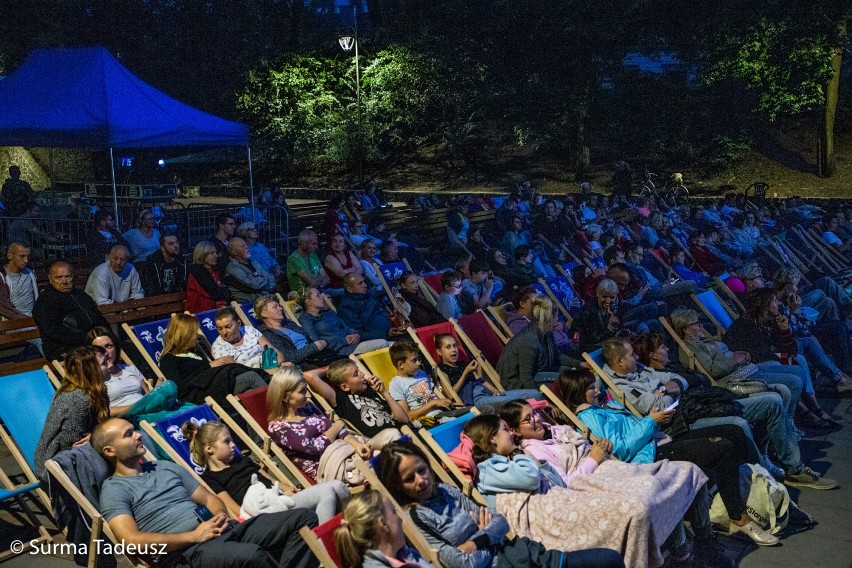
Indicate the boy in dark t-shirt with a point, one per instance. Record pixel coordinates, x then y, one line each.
361 400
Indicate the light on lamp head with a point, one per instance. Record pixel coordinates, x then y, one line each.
161 162
346 43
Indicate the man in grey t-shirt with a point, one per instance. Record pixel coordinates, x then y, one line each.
152 506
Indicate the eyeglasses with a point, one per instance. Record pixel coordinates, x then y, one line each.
534 415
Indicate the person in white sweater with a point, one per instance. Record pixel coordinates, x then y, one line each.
115 280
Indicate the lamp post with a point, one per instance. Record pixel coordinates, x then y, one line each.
347 43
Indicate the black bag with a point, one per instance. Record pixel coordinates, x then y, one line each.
702 402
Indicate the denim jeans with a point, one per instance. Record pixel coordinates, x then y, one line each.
766 413
811 351
818 300
503 398
790 376
833 336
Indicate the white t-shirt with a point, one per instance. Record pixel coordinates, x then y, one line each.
21 291
125 388
248 353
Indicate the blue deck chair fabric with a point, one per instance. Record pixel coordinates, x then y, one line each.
569 266
23 409
448 434
391 271
169 429
710 301
207 321
248 310
151 336
539 288
563 291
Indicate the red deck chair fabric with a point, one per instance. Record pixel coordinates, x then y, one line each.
325 532
434 282
476 326
427 335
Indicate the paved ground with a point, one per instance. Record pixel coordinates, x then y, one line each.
827 545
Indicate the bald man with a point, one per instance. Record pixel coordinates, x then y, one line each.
115 280
246 280
64 314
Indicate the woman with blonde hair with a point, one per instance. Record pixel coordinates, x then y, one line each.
205 289
229 475
370 535
184 363
531 357
306 433
80 402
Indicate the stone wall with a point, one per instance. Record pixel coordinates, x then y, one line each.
69 164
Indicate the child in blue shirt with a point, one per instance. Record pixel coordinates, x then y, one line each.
448 302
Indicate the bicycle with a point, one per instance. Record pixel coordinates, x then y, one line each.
673 188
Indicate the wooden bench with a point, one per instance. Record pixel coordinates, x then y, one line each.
15 332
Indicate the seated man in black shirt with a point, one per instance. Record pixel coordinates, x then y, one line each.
361 400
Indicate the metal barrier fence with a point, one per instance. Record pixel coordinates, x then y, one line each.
54 239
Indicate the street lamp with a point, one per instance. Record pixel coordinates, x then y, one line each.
347 43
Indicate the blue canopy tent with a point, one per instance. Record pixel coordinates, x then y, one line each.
84 97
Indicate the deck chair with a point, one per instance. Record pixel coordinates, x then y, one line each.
596 362
412 534
23 411
90 515
719 314
498 314
148 340
320 540
377 363
246 313
489 339
443 439
552 394
388 274
694 363
433 282
207 321
289 307
251 406
721 285
424 338
558 289
566 269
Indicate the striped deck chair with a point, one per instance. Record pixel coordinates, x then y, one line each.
596 362
23 411
148 340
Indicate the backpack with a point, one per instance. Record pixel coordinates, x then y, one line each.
767 501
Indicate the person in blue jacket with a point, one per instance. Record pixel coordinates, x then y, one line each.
363 311
323 323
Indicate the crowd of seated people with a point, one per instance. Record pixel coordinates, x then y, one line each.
626 263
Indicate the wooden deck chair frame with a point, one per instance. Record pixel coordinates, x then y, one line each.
832 255
471 348
412 533
498 314
361 361
562 309
440 461
490 370
498 330
134 339
694 363
719 330
818 245
387 288
287 306
268 448
316 545
98 525
720 285
613 388
437 467
801 261
264 457
560 406
241 313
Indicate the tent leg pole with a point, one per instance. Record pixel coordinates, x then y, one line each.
114 190
251 186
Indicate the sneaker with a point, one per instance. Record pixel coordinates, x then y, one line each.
757 535
810 479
